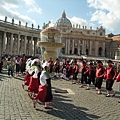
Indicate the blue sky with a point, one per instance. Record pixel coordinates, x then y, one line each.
93 13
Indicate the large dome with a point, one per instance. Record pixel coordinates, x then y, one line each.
63 21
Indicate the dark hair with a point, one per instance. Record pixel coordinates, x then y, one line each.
83 62
68 61
8 59
91 63
99 61
109 61
45 67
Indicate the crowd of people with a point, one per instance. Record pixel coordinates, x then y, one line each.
37 75
93 73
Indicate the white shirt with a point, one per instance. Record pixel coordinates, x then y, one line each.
17 62
36 73
43 78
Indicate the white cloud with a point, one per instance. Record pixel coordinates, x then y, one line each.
9 6
75 20
12 9
9 2
29 2
51 24
33 7
107 13
23 18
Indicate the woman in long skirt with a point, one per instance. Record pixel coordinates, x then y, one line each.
34 82
45 92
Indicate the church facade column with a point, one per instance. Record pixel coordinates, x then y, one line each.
25 41
22 45
4 40
73 47
27 46
15 44
1 42
83 47
11 44
8 44
30 46
66 46
96 48
35 44
18 45
78 47
91 47
103 47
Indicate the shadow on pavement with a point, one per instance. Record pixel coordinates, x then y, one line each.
64 108
19 78
2 76
69 111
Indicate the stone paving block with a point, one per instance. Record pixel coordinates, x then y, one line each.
83 105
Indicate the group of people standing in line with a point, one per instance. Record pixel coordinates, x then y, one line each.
90 73
93 73
38 76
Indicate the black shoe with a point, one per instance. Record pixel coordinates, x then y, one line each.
113 94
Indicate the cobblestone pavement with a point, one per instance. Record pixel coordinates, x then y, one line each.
77 104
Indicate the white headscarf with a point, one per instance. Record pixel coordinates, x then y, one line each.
45 64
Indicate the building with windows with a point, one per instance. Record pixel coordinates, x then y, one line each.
113 46
78 40
16 39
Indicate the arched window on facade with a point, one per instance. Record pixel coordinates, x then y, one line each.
100 51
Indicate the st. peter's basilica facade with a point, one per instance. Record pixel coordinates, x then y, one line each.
77 40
